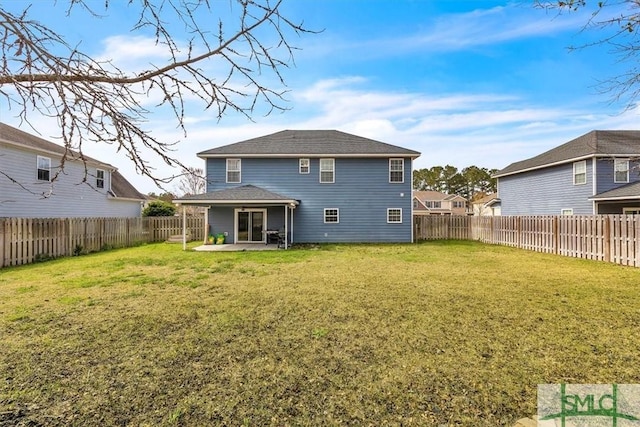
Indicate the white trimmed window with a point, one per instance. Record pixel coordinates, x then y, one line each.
44 168
433 204
234 170
304 166
621 170
394 215
580 172
566 211
331 215
631 211
396 170
458 205
99 178
327 171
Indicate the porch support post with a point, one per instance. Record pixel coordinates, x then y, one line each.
184 228
291 210
206 225
286 227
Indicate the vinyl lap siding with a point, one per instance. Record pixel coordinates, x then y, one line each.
70 197
361 192
546 192
605 174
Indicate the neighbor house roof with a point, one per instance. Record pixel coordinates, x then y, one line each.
625 192
236 195
122 189
435 195
597 143
299 143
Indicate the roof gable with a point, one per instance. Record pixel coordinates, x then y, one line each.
309 143
596 143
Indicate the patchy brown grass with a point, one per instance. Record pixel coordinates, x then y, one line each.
445 333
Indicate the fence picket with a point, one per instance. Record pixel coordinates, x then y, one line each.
610 238
22 240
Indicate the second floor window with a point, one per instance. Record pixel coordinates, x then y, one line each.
580 172
44 168
99 178
304 165
233 170
621 169
396 170
458 204
327 171
433 204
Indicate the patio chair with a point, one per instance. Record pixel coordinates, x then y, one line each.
281 239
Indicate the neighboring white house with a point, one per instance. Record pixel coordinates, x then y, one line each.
437 203
29 163
488 205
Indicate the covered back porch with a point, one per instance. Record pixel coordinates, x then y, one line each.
247 215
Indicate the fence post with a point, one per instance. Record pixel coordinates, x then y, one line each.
2 240
556 235
606 243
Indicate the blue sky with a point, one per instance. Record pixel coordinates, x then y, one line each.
482 83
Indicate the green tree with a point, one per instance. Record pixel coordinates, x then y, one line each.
466 183
159 208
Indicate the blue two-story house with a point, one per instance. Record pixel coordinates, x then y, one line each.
596 173
316 185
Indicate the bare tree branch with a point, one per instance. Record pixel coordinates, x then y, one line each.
96 100
618 24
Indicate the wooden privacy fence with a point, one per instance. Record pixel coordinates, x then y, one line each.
24 240
611 238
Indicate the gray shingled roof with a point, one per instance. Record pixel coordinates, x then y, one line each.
597 143
628 191
309 143
243 193
121 188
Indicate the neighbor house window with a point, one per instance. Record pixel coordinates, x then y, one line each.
621 169
44 168
233 170
99 178
433 205
580 172
394 215
396 170
327 171
331 215
458 204
631 211
568 211
304 165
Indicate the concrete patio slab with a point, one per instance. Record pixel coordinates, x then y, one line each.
236 247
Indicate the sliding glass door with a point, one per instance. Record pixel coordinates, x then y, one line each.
250 225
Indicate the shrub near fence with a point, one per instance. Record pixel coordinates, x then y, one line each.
611 238
24 240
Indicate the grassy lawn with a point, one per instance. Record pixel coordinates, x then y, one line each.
442 333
